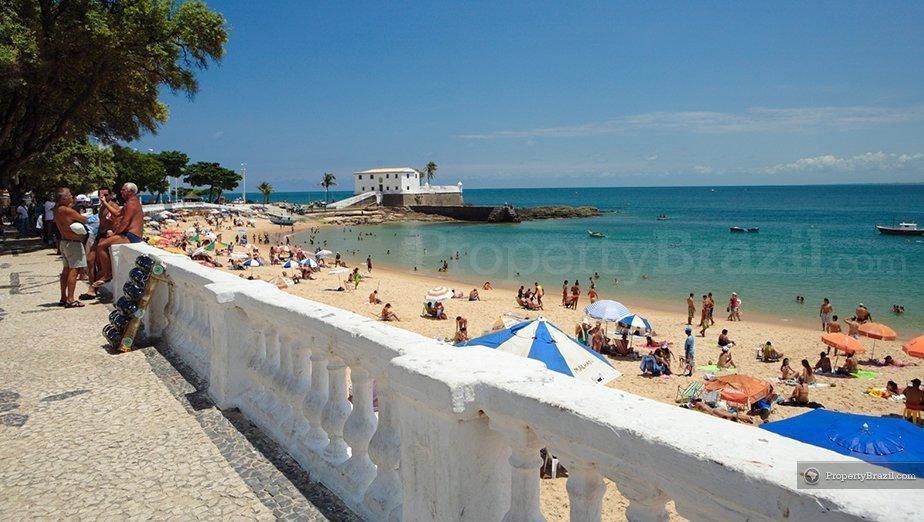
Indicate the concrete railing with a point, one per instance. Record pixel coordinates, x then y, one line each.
456 432
352 200
190 205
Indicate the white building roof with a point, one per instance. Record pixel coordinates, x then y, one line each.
407 170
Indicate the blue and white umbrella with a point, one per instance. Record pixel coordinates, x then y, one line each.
291 263
607 310
252 263
543 341
309 262
636 323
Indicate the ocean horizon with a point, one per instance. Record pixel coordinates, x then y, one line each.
815 241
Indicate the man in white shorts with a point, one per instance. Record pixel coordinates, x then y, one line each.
71 245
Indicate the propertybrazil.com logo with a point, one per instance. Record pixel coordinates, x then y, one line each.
841 475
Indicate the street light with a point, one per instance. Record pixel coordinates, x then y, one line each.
244 182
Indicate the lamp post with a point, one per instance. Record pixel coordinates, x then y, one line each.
244 182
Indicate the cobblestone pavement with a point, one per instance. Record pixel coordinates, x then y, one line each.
88 434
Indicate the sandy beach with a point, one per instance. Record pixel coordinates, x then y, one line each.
405 289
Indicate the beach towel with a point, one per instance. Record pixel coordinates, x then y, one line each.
712 368
864 374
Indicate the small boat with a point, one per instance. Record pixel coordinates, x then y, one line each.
281 220
662 217
591 233
738 229
903 229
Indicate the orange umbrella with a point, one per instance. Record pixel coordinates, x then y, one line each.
915 347
740 389
876 331
843 342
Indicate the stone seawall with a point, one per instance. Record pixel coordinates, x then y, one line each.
486 214
453 199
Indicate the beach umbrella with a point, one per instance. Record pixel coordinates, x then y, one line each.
543 341
308 262
842 342
876 332
338 272
291 264
607 310
915 347
636 323
323 253
440 293
740 389
252 263
891 442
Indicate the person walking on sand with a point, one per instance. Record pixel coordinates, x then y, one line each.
711 314
369 264
689 351
734 307
691 309
538 292
564 293
703 316
825 313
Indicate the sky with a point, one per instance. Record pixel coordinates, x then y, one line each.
533 94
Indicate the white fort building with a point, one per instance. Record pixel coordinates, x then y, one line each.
398 187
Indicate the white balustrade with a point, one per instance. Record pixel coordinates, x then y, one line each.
458 432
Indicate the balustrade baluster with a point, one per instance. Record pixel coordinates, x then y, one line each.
585 492
647 503
336 411
358 430
384 494
524 477
316 438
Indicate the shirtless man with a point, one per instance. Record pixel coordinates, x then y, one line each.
105 224
863 315
725 359
825 313
127 228
691 309
800 394
71 245
374 297
914 401
461 329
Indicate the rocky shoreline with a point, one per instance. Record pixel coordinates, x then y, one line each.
556 212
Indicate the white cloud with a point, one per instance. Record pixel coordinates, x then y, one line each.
755 119
703 169
870 161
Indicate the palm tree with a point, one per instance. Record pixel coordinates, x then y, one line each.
431 171
327 182
266 189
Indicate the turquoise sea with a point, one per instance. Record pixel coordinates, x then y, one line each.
814 241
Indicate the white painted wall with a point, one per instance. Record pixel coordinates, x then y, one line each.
457 433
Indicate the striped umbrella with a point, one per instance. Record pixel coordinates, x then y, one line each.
636 322
252 263
308 262
440 293
543 341
607 310
291 263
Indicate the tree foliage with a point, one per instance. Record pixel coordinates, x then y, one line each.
81 165
213 176
73 68
328 181
140 168
431 171
266 189
174 163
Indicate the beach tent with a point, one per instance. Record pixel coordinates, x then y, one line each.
915 347
740 389
607 310
540 340
891 442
